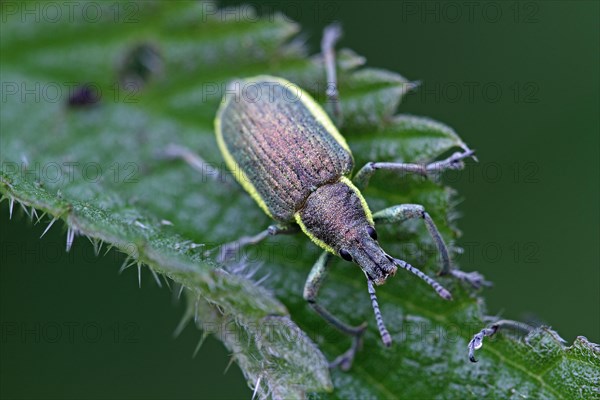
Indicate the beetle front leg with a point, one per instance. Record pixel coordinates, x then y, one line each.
455 161
403 212
228 250
311 289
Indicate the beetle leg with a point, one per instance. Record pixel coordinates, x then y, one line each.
403 212
477 342
228 250
311 288
455 161
331 35
175 151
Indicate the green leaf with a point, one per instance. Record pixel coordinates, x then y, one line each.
99 169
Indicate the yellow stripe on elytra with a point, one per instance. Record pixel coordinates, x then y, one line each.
233 166
312 237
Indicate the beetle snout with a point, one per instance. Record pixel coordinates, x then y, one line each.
394 268
376 265
393 271
388 269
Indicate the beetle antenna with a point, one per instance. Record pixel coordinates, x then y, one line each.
385 335
430 281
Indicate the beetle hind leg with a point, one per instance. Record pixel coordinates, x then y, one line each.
311 288
403 212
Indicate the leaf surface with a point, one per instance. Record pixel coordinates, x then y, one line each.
100 169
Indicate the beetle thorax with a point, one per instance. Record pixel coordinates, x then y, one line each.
336 217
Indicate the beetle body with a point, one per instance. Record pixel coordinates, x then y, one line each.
286 152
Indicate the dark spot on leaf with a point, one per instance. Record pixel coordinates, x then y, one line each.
83 96
139 65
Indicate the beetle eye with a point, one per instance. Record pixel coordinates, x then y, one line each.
372 232
345 255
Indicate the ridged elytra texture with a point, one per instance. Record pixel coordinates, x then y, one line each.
285 152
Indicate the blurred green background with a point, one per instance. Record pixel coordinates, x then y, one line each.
518 81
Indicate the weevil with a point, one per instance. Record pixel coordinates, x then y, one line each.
287 153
